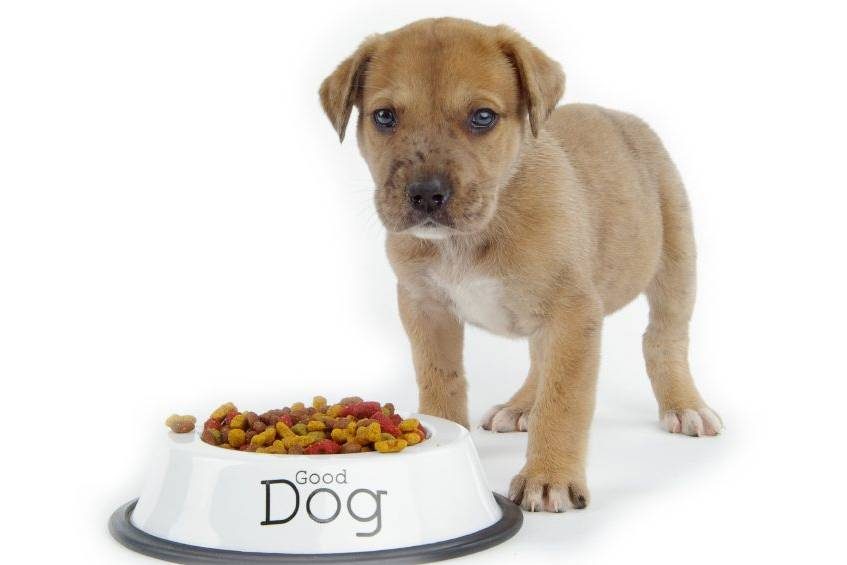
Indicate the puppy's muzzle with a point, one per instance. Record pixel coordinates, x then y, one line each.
428 197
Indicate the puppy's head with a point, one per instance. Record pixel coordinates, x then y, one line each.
444 106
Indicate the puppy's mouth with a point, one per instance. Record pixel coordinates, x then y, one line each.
429 229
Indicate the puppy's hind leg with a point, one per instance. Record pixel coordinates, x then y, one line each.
513 416
671 298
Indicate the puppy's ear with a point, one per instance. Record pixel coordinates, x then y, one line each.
541 79
340 90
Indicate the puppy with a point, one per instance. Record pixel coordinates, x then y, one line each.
526 220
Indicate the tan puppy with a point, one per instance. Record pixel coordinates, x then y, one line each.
526 220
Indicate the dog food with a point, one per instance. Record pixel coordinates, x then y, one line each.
352 425
180 424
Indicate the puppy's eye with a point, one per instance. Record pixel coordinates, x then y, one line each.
384 118
483 118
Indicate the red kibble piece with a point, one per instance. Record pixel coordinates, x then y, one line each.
287 419
211 424
232 414
211 437
396 419
323 447
422 431
361 409
386 424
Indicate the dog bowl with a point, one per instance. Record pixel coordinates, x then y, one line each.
204 504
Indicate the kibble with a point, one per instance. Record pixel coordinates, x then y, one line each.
390 445
180 424
351 425
409 425
236 437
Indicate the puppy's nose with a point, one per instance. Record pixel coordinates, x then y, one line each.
428 195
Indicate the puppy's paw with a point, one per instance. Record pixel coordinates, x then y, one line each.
692 422
506 418
548 491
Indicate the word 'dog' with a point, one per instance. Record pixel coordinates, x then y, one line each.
323 497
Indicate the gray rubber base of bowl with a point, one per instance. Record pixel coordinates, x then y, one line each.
122 529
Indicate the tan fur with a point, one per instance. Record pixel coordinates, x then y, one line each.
557 218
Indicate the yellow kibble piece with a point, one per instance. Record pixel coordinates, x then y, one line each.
409 425
334 410
384 436
302 441
298 406
277 447
390 445
315 426
341 435
412 438
319 403
226 446
351 427
239 421
289 441
223 410
300 429
264 438
368 434
283 430
316 436
236 437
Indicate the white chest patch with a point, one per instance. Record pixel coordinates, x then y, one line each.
479 301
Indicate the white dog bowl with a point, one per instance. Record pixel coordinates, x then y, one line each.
204 504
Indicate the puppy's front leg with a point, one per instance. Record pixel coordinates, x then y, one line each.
554 473
436 336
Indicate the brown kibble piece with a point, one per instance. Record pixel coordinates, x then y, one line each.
180 424
351 447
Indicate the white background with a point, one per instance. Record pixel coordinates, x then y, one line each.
179 227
